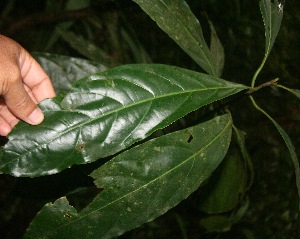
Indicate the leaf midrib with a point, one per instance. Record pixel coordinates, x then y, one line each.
114 111
195 40
147 184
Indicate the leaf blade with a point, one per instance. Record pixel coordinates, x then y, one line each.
177 20
147 182
106 113
64 70
272 13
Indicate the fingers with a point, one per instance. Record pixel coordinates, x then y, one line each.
23 83
7 119
35 78
20 103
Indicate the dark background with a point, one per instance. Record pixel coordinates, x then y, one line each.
273 197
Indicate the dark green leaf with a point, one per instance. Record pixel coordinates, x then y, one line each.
177 20
87 48
272 13
217 50
223 222
226 186
64 70
140 184
106 113
240 137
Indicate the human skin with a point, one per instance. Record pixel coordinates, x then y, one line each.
23 83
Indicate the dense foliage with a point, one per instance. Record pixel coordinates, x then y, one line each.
176 118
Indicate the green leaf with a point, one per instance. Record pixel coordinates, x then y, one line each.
87 48
64 70
289 145
107 112
223 222
272 13
217 50
293 91
296 92
240 137
177 20
140 184
226 186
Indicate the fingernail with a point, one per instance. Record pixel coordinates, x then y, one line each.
36 117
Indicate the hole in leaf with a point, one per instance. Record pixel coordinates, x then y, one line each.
190 139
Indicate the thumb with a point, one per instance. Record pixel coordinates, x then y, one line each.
21 105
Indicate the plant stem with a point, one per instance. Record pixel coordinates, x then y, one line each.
266 84
258 70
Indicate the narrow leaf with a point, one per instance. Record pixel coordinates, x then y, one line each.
140 184
289 145
87 48
177 20
217 50
240 137
106 113
64 70
293 91
272 13
296 92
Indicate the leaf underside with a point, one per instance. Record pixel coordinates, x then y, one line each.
107 112
140 184
64 70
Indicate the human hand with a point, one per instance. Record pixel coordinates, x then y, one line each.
23 83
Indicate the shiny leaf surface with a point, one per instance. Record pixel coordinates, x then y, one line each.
177 20
107 112
140 184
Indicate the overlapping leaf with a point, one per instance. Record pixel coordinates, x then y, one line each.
177 20
140 184
65 70
106 113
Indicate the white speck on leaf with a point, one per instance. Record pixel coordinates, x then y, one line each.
280 7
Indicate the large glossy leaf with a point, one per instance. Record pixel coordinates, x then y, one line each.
177 20
65 70
140 184
106 113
